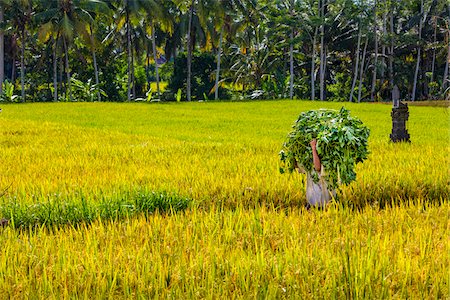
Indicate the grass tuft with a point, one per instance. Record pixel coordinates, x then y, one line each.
58 212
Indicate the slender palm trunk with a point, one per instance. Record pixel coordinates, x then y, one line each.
22 66
94 58
219 54
291 65
147 64
391 51
446 82
375 62
446 70
2 52
322 51
190 48
419 48
128 54
313 67
361 69
155 59
291 55
55 72
434 53
69 87
355 74
133 74
13 69
61 73
383 49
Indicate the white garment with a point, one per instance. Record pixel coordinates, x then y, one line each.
318 194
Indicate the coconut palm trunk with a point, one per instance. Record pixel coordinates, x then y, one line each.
22 65
155 59
446 70
355 74
391 50
313 67
433 62
2 52
94 58
219 53
190 48
291 55
322 51
69 87
445 83
55 71
383 50
419 52
128 54
291 65
375 61
361 70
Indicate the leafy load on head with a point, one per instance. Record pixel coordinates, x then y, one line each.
341 144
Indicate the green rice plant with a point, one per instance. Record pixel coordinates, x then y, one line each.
58 212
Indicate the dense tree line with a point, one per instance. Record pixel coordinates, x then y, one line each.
339 50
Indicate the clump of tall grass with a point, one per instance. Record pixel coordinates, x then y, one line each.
57 212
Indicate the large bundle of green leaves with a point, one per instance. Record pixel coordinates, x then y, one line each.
341 144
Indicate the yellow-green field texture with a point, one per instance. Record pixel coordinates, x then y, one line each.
244 233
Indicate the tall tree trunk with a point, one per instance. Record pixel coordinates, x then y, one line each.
128 53
190 48
434 52
446 82
2 52
391 51
313 67
94 58
147 64
419 52
355 74
375 61
155 59
13 69
55 71
383 48
219 54
361 69
133 74
291 66
69 87
291 55
322 51
61 74
22 66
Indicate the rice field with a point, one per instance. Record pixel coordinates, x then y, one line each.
185 200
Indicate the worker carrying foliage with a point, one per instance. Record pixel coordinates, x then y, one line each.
326 145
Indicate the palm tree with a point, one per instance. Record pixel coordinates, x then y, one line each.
3 3
96 8
190 47
64 18
156 14
21 12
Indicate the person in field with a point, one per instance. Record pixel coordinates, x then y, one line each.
317 194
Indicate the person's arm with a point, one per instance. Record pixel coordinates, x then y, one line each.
316 159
